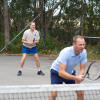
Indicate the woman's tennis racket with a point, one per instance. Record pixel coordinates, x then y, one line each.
93 71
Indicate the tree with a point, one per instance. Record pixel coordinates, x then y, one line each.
6 21
20 14
1 16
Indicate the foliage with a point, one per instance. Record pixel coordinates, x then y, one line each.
20 12
50 45
93 52
73 15
16 45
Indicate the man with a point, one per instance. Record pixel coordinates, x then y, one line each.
62 69
30 39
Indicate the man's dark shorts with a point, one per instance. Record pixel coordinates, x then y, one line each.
56 79
27 50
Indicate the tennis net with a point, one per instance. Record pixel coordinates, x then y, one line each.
42 92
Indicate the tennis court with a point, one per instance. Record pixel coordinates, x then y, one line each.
9 66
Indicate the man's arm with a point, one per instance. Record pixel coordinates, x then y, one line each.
64 74
82 69
37 37
36 42
27 43
81 73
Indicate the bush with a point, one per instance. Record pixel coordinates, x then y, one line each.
50 45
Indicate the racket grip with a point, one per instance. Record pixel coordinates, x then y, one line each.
34 40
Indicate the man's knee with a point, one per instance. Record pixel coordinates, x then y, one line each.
80 92
54 94
24 56
36 57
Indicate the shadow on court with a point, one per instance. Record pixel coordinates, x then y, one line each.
9 66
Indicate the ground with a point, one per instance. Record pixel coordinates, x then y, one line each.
9 66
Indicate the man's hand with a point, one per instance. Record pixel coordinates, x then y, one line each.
31 44
79 78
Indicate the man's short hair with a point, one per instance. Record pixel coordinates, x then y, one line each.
32 22
76 37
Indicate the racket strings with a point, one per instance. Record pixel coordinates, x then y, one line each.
93 71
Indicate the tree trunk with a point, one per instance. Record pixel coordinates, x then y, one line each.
6 21
82 24
42 16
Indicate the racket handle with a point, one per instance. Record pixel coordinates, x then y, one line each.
34 40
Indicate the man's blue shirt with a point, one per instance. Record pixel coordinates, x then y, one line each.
68 57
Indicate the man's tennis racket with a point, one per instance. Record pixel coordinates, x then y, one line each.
93 71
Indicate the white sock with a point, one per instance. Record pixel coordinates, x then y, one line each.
21 69
38 68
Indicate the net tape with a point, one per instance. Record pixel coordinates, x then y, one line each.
91 37
48 88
